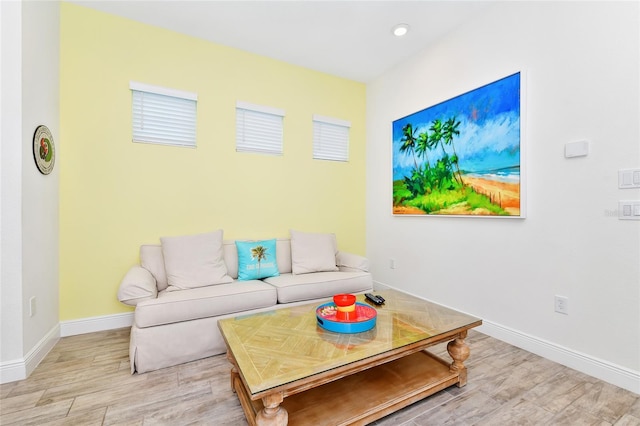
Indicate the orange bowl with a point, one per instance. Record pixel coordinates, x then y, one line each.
344 299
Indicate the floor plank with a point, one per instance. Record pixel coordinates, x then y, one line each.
85 380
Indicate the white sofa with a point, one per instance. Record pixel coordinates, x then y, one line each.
174 325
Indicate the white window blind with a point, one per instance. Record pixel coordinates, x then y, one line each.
163 116
258 129
330 138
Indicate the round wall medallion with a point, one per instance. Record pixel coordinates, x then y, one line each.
44 151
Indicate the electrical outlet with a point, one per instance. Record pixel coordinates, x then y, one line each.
32 306
562 305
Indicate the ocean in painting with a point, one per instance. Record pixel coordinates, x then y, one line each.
506 175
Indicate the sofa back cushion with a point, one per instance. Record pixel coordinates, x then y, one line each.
283 255
192 261
152 260
313 252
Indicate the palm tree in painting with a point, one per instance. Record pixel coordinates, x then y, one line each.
259 253
449 130
423 145
436 135
427 177
409 142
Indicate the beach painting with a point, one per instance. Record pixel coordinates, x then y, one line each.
461 157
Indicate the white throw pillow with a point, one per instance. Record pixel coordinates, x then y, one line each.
194 261
313 252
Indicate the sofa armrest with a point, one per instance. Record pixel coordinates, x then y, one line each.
352 262
137 285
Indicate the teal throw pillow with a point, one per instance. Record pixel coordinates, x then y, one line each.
257 259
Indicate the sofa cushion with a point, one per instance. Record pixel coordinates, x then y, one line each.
293 288
283 255
204 302
313 252
151 259
257 259
230 254
194 261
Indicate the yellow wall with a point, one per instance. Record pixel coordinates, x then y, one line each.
117 195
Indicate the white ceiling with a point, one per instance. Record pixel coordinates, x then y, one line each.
350 39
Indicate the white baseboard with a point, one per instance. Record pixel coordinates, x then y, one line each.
19 369
93 324
12 371
600 369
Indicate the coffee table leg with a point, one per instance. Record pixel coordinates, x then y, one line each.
234 371
459 351
272 414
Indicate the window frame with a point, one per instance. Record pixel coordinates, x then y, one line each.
247 138
331 124
174 123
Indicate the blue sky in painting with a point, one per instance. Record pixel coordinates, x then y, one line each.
489 129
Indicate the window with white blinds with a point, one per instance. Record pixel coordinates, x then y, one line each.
330 138
258 129
163 116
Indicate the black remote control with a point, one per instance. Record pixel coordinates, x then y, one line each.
378 300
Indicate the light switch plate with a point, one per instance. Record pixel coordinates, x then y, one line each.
628 178
629 210
576 149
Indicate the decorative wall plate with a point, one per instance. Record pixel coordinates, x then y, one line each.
44 151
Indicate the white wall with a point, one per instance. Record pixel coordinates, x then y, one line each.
40 97
30 82
581 64
10 183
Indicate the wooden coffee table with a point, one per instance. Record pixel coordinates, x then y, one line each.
288 370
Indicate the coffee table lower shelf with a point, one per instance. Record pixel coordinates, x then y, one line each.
365 396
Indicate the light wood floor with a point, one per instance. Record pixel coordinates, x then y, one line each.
85 380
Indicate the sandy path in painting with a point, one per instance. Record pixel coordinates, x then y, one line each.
507 194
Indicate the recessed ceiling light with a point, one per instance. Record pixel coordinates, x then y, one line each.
400 30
